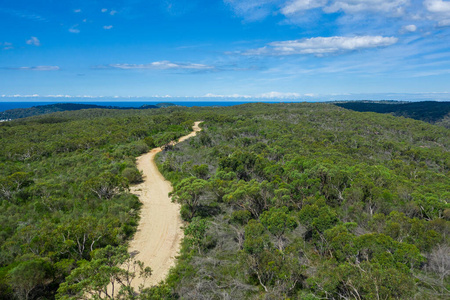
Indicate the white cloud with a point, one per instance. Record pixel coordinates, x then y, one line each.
113 12
410 28
77 10
356 6
160 65
107 27
439 11
39 68
323 45
211 95
437 6
258 9
33 41
104 10
444 23
74 29
6 45
300 5
279 95
58 96
26 14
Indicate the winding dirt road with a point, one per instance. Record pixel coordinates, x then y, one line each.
158 237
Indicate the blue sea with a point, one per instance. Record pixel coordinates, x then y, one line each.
26 104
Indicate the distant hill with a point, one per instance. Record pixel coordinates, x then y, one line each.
428 111
161 105
18 113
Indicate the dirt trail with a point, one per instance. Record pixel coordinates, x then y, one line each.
158 236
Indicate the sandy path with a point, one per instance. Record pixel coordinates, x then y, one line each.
158 236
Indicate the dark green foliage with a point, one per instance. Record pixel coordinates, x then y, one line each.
241 217
362 281
150 142
428 111
278 221
194 233
107 275
162 104
105 186
256 238
188 193
317 219
12 186
200 171
132 175
28 275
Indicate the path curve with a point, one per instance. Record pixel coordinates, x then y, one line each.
158 237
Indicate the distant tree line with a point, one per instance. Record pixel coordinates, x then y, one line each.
18 113
428 111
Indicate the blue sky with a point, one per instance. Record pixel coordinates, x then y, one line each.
302 49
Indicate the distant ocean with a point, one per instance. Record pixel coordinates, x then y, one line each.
11 105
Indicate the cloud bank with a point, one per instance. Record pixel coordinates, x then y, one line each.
439 11
301 5
297 10
255 10
158 65
38 68
323 45
271 95
356 6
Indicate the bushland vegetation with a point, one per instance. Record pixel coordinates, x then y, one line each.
295 201
65 210
311 201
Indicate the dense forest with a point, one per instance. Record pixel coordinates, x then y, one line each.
309 201
18 113
281 201
64 181
428 111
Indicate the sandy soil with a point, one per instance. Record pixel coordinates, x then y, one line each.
158 237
